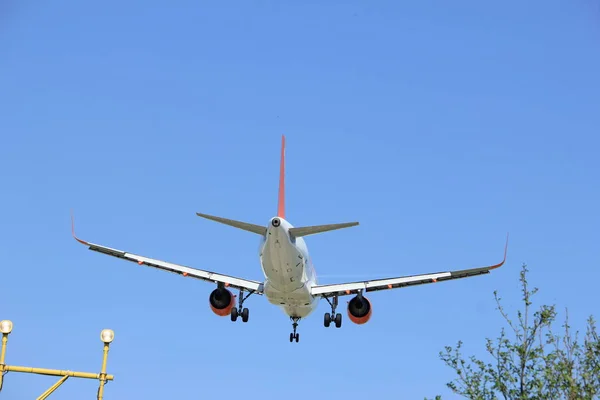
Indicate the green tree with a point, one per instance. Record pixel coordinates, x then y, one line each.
530 361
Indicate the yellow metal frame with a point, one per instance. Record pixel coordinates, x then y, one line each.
102 377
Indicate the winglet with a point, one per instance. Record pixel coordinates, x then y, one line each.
281 202
505 251
73 231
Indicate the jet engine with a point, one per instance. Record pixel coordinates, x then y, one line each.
221 301
359 309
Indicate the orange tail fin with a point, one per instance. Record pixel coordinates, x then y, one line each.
281 204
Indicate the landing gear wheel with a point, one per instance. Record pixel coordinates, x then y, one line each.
333 316
294 335
338 321
237 311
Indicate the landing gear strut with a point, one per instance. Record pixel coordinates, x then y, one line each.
337 318
239 310
294 335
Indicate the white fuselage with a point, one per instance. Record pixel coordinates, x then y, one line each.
288 269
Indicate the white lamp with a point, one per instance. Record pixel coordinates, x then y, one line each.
107 335
6 326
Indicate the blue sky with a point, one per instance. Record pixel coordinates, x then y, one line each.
438 126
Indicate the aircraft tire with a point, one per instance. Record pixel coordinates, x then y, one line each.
327 320
338 320
245 315
234 314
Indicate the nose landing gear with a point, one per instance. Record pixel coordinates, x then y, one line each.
295 336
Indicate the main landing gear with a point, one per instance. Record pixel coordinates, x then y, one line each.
337 318
235 312
295 336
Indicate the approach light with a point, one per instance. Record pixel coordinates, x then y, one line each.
107 335
6 326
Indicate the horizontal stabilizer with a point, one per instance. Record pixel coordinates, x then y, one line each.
261 230
311 230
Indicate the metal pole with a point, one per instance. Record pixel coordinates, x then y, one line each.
48 392
3 353
103 372
2 356
56 372
107 336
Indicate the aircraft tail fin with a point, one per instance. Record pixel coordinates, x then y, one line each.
258 229
311 230
281 198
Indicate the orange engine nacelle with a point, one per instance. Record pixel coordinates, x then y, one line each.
221 301
359 309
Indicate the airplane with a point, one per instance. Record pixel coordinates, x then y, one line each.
290 280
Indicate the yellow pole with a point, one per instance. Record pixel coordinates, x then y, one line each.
3 353
52 388
103 372
56 372
2 356
106 335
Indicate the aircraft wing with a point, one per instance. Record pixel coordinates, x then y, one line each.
343 289
208 276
